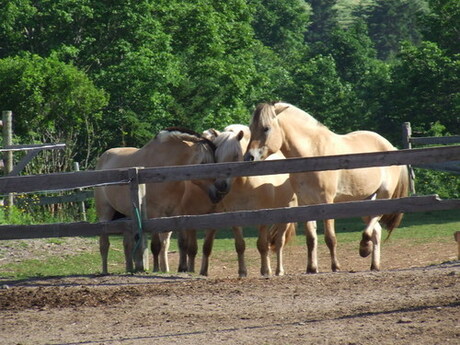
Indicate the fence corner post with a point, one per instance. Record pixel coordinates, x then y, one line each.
76 167
7 132
406 135
139 213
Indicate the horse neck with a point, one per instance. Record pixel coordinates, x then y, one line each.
301 133
170 153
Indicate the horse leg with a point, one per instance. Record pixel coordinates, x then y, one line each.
331 241
263 247
207 249
140 260
280 241
240 247
192 250
312 245
376 239
182 243
366 244
155 246
104 245
128 246
165 239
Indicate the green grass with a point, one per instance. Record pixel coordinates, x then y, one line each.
416 228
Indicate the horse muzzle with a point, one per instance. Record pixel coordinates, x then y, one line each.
215 195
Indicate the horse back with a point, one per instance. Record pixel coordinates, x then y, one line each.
118 157
363 141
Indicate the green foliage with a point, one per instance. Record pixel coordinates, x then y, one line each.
40 91
324 21
424 89
392 21
441 24
444 184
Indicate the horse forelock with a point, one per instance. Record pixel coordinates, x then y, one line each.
263 114
227 144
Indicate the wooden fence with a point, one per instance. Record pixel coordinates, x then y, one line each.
137 177
452 167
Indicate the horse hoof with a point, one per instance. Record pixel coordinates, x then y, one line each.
311 270
365 248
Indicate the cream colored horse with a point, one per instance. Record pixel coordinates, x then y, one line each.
252 193
281 126
173 146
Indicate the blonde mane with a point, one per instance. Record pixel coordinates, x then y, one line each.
206 147
265 113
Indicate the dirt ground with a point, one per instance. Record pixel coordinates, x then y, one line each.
415 299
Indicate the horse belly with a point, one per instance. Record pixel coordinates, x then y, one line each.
118 198
358 184
314 187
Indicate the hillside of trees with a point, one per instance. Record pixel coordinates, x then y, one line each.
100 74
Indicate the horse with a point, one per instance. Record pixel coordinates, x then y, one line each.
252 193
171 146
282 126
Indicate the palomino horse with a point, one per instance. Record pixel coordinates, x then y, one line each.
172 146
252 193
281 126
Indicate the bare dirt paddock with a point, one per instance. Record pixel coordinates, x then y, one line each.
401 305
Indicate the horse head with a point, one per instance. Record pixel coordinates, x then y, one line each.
266 134
230 146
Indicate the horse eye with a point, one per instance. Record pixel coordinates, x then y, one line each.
266 129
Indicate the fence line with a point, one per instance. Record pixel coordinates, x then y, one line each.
73 180
239 218
137 177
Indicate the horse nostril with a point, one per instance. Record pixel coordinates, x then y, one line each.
248 157
221 186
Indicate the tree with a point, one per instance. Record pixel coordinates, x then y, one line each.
424 89
392 21
319 90
324 21
52 102
281 25
442 25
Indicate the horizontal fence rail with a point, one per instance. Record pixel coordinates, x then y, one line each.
30 147
240 218
453 139
24 184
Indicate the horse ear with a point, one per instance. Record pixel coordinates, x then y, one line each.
211 134
279 110
240 135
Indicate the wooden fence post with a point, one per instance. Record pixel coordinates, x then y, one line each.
76 167
139 213
406 134
7 121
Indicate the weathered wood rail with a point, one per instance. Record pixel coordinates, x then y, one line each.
241 218
137 177
73 180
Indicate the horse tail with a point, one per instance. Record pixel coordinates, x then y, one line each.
392 221
290 233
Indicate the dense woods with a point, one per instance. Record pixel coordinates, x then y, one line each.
99 74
